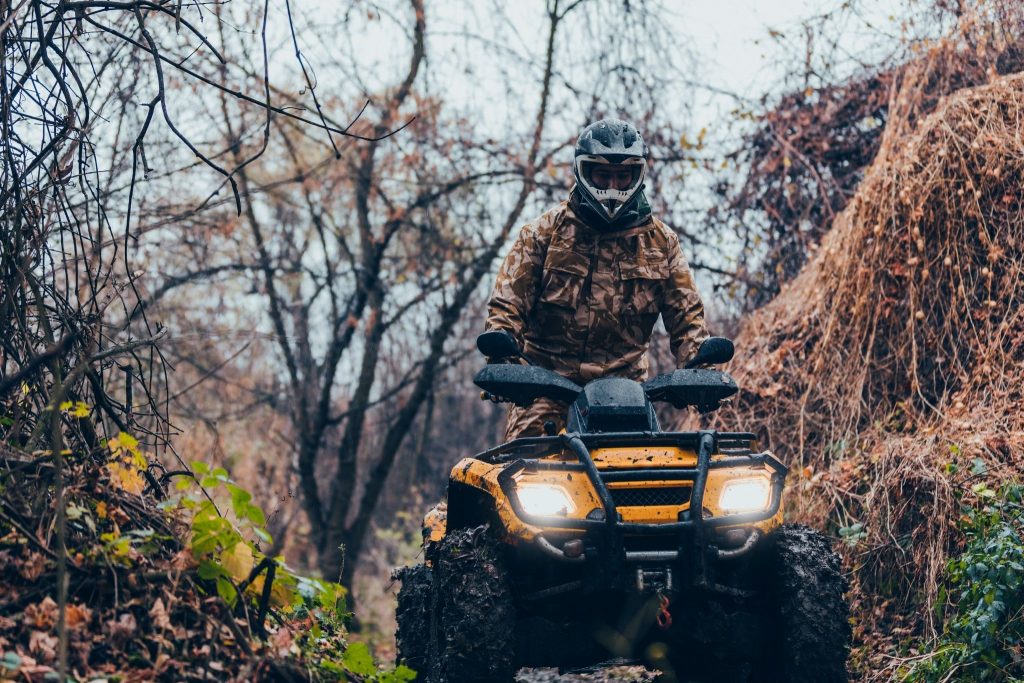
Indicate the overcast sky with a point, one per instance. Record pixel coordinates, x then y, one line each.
740 46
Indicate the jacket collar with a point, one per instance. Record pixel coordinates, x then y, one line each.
577 213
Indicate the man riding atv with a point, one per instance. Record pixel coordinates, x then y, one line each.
583 285
591 534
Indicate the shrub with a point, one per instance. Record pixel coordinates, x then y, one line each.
984 627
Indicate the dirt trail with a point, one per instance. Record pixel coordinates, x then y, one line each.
613 674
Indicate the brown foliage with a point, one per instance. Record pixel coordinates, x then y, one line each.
897 349
808 152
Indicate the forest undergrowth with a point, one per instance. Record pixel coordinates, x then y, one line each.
169 575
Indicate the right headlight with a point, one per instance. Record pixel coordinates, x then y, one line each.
544 499
745 495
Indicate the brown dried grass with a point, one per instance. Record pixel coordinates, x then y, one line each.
899 348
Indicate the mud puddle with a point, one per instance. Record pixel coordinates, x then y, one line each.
614 674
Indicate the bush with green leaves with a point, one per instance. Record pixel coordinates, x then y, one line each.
983 636
228 535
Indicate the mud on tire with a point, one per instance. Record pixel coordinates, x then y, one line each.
473 616
413 616
805 609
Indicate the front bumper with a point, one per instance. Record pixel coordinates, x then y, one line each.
690 545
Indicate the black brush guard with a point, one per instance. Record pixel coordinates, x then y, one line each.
605 554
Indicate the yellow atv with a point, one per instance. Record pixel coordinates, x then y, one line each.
617 541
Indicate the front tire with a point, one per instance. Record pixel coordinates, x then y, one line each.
474 616
807 616
413 617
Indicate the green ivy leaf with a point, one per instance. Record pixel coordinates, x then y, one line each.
358 661
209 570
255 515
226 590
401 674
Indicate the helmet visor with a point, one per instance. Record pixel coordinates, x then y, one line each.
604 176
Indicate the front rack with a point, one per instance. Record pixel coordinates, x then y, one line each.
606 536
706 443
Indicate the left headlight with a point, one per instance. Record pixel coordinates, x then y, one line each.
544 499
745 495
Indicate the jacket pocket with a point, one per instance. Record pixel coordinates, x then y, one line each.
642 283
562 282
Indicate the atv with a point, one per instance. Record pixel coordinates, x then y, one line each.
616 541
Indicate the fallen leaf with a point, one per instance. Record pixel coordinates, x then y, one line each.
42 615
282 642
32 566
122 630
158 613
78 616
43 645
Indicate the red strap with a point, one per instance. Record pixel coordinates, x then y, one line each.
664 616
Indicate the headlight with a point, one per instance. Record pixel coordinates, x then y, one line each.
544 499
745 495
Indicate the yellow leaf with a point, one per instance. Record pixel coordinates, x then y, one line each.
238 561
124 441
101 510
281 595
126 477
76 409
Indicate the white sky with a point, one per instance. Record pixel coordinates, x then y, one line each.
731 39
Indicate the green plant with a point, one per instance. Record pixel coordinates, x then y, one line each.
853 534
984 627
227 536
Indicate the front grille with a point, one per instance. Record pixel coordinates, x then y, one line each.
662 495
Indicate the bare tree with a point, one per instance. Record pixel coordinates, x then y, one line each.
363 264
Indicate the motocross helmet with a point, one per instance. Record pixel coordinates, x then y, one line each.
611 159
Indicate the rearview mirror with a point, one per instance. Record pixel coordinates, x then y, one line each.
497 344
714 351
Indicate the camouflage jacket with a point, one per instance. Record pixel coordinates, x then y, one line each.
584 303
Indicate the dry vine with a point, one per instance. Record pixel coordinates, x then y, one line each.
898 348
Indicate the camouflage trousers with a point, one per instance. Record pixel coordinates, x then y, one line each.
529 421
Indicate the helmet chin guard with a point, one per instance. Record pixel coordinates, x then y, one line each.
611 200
610 141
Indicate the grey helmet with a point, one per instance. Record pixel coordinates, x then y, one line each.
610 141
